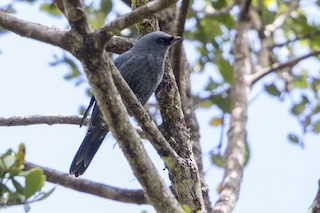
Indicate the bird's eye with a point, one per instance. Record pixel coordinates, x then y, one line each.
160 41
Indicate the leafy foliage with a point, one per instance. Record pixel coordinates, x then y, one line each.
19 186
214 37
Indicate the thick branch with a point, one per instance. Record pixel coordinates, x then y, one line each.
75 13
119 45
42 119
54 35
176 132
158 141
87 186
47 34
176 54
235 152
98 70
315 207
98 65
253 78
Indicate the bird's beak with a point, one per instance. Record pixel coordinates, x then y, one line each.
176 38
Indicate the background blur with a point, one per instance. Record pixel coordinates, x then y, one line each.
280 176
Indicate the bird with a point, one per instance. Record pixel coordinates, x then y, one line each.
142 67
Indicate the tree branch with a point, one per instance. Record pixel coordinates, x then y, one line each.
74 11
54 35
119 45
299 37
253 78
266 33
176 132
48 34
87 186
235 151
315 207
133 17
42 119
271 28
176 53
157 139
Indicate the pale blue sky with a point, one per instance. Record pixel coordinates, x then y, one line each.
280 177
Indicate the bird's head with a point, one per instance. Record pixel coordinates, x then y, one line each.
156 42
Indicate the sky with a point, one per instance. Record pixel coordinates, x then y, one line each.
280 176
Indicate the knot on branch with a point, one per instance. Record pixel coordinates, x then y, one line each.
75 14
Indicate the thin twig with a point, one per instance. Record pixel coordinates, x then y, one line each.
133 17
266 33
299 37
90 187
42 119
278 22
253 78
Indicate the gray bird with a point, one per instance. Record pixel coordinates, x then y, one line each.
142 67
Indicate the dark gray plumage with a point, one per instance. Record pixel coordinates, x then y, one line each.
142 67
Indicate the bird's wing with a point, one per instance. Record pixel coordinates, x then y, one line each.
133 69
92 101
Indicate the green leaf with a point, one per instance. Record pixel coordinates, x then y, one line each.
301 83
218 160
316 127
34 181
21 154
51 9
206 103
225 69
218 4
18 186
299 108
267 3
106 6
216 121
15 198
246 155
293 138
9 161
316 110
212 85
186 208
227 20
272 90
223 101
73 66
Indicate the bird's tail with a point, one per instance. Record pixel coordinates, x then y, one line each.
88 149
